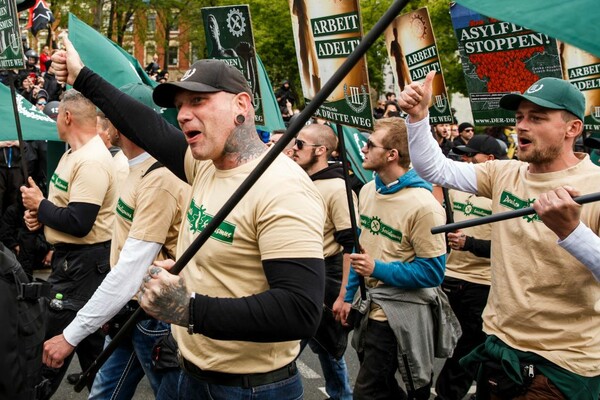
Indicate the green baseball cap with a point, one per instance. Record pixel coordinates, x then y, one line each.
553 93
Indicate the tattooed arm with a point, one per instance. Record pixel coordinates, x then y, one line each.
165 296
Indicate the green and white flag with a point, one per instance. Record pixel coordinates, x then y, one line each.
35 124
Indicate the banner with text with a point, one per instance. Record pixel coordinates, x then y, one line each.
229 38
413 53
325 33
11 48
582 69
499 58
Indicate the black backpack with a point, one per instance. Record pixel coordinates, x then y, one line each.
23 316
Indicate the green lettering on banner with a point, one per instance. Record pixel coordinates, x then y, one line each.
419 73
421 55
338 48
470 209
513 202
124 210
198 219
587 84
59 183
583 71
335 24
377 227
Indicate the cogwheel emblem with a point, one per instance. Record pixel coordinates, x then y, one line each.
375 226
468 209
417 24
236 23
532 217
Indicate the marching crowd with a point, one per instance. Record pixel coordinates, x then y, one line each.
510 305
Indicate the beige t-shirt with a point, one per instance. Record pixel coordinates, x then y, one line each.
541 299
86 176
464 264
397 227
121 169
282 216
149 209
337 212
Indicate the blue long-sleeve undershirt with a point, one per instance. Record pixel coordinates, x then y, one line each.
416 274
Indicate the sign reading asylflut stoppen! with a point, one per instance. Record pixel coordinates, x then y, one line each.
11 49
229 38
413 54
325 34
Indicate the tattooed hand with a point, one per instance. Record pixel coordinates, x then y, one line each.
164 296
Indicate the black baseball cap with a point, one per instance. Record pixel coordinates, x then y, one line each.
204 76
553 93
484 144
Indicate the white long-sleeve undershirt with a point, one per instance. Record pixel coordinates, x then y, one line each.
119 286
431 164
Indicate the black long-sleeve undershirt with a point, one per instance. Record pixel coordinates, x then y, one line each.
76 219
290 309
138 122
479 247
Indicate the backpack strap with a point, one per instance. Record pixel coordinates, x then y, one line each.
154 166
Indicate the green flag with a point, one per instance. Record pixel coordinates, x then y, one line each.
272 114
35 124
104 56
354 140
110 61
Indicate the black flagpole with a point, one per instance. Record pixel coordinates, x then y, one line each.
588 198
276 149
13 94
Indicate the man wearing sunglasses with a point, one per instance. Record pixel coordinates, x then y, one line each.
403 264
465 133
312 150
542 310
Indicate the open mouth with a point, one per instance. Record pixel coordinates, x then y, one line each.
192 134
524 141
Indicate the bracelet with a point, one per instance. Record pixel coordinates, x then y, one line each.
190 328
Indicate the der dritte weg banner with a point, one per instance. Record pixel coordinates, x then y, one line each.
325 33
413 54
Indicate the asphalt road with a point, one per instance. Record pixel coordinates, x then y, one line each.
308 365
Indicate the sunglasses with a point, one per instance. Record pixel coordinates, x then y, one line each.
41 103
469 130
301 143
370 145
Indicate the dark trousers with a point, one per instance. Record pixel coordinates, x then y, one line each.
468 301
87 351
77 271
378 365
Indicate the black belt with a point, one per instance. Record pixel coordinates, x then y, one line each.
66 247
245 381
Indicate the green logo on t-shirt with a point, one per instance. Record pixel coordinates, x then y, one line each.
198 219
377 227
511 201
469 209
59 183
124 210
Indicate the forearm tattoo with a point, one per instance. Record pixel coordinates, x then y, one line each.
172 305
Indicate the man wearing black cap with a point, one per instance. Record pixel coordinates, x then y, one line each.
256 286
465 133
542 309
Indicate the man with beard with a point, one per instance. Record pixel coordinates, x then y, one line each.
542 316
441 133
312 150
